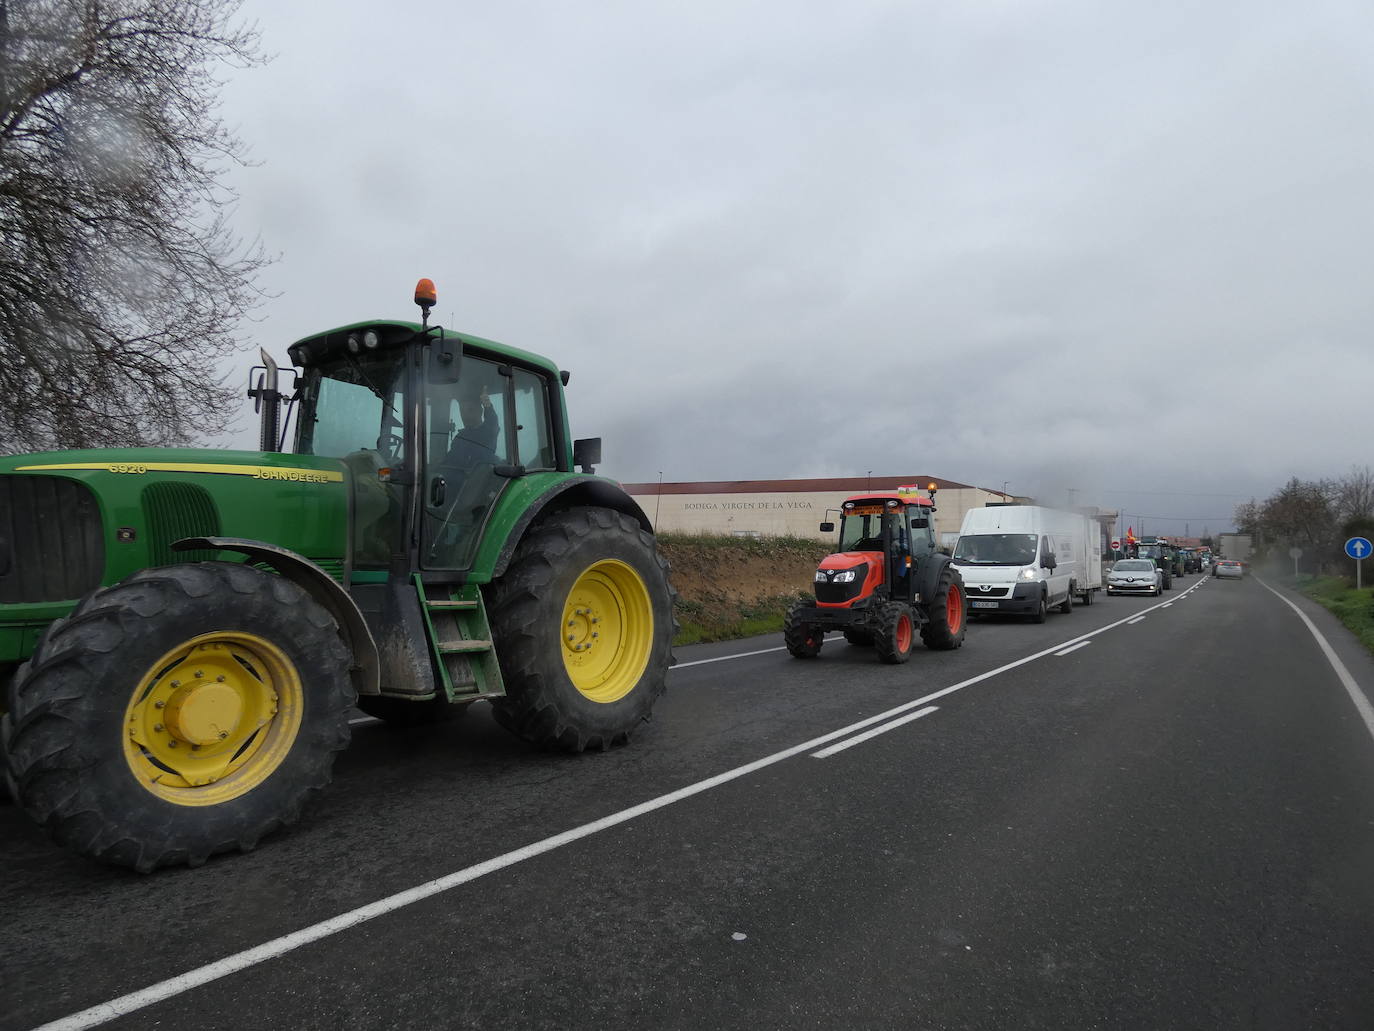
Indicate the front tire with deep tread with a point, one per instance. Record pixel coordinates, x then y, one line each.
896 633
74 704
607 555
803 640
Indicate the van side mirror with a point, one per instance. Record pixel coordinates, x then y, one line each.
827 527
1050 562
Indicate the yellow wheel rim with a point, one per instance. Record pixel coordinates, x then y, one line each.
213 718
607 631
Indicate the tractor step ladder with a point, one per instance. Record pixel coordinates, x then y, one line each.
461 637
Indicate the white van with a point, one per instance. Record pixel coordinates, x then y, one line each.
1024 559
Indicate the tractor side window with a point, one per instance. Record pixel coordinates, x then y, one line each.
467 435
922 541
533 439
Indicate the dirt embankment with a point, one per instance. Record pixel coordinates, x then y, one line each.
737 586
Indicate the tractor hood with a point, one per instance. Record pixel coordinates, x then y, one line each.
78 520
847 560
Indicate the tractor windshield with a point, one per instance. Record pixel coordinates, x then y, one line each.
996 549
354 405
864 532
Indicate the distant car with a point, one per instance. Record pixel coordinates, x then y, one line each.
1229 568
1135 576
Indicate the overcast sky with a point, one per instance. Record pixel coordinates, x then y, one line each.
1122 248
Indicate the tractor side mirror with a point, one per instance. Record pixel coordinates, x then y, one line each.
587 453
827 527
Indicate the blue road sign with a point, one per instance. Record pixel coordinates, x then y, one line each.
1358 548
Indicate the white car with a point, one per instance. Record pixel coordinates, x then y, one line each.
1135 576
1229 568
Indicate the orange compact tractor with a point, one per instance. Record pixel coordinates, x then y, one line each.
886 582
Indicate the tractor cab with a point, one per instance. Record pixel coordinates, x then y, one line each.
432 428
883 535
886 581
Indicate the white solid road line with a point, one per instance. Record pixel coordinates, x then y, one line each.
1137 619
861 738
1357 696
173 986
726 658
1073 648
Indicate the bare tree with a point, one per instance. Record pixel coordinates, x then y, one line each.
1354 498
121 284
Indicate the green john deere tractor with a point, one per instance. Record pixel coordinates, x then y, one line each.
184 633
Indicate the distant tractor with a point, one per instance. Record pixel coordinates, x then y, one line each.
184 633
1163 555
886 583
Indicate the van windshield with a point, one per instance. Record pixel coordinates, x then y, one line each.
996 549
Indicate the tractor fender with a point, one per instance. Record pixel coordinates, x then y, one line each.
365 666
928 572
579 492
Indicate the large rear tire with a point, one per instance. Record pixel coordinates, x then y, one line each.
803 640
896 633
946 613
185 711
583 626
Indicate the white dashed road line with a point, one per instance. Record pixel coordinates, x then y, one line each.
860 738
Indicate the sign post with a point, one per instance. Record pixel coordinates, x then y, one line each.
1295 554
1358 548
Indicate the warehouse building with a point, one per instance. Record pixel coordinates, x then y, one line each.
793 508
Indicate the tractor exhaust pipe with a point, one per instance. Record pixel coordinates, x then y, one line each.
267 403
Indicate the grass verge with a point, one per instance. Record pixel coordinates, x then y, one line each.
1353 608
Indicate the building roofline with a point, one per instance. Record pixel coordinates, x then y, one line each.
846 485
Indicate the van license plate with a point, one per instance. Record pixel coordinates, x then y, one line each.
982 604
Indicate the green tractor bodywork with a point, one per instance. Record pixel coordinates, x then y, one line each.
1164 555
183 633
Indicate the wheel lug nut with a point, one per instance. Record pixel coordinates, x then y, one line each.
219 679
171 744
223 734
572 637
159 705
199 675
157 726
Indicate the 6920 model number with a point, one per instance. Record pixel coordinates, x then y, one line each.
122 467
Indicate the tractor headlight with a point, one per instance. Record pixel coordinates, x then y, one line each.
354 344
822 577
845 576
371 339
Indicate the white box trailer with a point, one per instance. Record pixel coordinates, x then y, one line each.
1024 559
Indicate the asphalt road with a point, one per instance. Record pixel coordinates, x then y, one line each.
1171 825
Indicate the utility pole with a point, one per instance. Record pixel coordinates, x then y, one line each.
658 499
